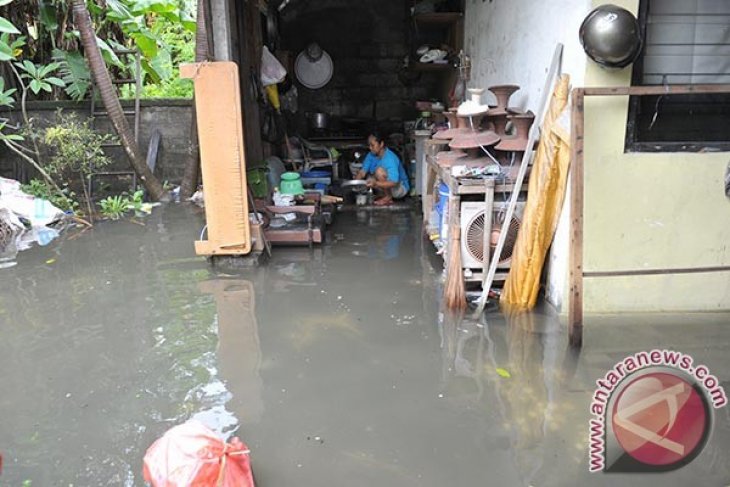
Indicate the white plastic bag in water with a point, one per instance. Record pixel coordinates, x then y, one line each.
272 71
37 211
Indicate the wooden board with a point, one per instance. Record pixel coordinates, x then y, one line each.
222 157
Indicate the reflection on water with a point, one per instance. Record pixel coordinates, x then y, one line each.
239 350
24 240
105 342
517 367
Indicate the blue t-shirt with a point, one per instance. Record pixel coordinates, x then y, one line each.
391 164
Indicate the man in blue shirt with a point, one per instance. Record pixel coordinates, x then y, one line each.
388 175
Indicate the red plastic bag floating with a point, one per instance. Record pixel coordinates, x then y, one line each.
191 455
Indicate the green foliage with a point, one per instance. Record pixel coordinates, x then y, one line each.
10 48
75 145
5 24
137 200
147 22
162 30
66 200
114 207
39 76
4 136
74 71
6 96
178 46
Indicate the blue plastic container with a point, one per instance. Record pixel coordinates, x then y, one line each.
442 202
316 174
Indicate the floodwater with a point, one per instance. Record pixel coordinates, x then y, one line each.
335 365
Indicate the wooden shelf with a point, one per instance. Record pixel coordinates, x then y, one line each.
478 188
438 18
431 66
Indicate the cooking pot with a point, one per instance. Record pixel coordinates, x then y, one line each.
318 120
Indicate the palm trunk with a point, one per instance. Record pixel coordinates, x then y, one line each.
111 102
202 53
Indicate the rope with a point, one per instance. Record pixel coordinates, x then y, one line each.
221 473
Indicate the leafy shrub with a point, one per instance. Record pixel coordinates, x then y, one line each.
76 147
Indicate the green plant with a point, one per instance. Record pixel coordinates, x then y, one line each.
65 200
38 76
7 137
114 207
5 24
160 29
6 98
137 200
9 48
75 146
74 71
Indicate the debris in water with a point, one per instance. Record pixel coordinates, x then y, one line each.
503 373
50 261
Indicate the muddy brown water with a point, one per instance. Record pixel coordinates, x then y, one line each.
335 365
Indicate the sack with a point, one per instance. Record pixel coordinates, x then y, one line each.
192 455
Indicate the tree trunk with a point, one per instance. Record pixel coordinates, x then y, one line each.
111 101
202 53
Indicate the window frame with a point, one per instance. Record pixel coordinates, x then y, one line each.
632 144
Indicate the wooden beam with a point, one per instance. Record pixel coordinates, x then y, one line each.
656 90
658 272
487 235
575 311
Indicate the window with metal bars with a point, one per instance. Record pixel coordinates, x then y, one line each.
685 42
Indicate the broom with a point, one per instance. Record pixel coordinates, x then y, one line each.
454 292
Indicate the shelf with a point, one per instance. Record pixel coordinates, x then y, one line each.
431 66
438 18
478 188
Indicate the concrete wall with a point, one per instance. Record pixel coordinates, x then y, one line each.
512 42
171 117
367 42
650 211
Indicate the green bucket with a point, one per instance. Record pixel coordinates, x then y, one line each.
258 181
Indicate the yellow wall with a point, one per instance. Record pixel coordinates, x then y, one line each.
650 211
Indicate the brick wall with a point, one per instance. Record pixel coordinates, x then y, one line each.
171 117
367 42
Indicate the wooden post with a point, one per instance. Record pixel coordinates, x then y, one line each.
488 211
575 312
